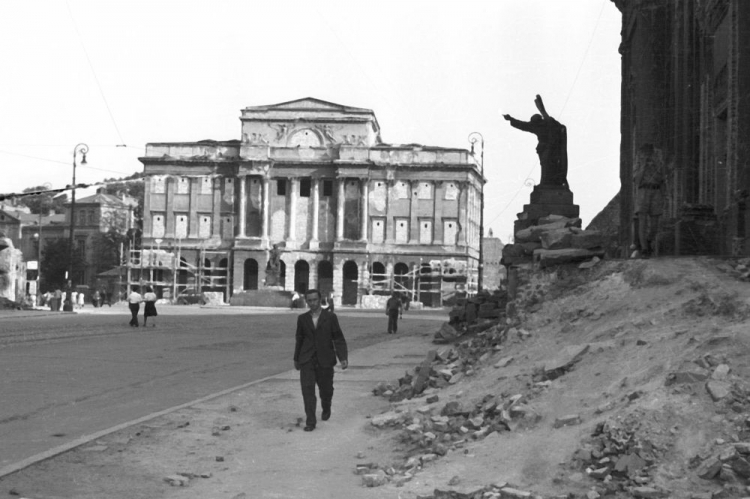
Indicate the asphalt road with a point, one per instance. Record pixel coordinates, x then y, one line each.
66 376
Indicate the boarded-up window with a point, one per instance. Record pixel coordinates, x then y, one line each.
424 190
378 230
204 226
451 191
401 190
158 184
157 224
180 226
227 228
402 230
425 231
449 232
206 185
183 185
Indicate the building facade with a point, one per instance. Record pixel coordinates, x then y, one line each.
686 92
347 211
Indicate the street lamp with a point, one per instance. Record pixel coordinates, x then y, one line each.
475 137
83 149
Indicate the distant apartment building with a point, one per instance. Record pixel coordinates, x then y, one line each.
350 214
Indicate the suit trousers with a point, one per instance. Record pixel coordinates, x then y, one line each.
311 374
393 321
134 312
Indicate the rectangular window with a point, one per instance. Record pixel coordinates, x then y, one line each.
180 226
451 191
425 231
401 190
206 185
157 225
227 228
157 184
183 185
402 230
328 188
450 227
204 226
424 190
81 247
82 217
378 230
304 187
281 187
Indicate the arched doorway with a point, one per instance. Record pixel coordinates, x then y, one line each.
378 279
301 276
351 280
251 274
401 280
325 277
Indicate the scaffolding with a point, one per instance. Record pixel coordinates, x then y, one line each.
434 283
174 278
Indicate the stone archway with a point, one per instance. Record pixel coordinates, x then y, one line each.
251 274
325 277
350 283
301 276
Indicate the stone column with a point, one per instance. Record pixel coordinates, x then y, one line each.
365 208
340 210
463 218
242 206
265 215
294 187
314 243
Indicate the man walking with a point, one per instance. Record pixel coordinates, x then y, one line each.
134 303
393 310
319 341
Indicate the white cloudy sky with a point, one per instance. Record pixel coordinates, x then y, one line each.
136 71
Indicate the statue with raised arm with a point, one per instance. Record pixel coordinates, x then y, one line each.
552 147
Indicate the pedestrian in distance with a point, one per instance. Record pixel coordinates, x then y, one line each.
393 309
95 299
81 299
134 303
74 299
149 307
319 342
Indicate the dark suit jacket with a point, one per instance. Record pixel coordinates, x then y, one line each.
326 341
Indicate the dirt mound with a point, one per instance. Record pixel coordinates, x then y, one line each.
654 402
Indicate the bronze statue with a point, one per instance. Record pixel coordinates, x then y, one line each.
552 147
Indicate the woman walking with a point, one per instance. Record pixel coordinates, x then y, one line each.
149 310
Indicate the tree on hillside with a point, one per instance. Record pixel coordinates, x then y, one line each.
55 263
42 203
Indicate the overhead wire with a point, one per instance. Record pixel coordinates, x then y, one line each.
93 72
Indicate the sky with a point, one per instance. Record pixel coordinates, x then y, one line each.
116 75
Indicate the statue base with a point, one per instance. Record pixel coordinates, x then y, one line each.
544 201
266 297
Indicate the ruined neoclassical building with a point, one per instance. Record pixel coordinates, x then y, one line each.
349 213
686 91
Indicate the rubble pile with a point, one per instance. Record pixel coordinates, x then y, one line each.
471 315
739 268
621 459
555 240
450 364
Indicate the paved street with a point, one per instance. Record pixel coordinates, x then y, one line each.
65 376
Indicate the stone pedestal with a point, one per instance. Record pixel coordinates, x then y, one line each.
546 200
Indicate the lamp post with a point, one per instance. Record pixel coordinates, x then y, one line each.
83 149
475 137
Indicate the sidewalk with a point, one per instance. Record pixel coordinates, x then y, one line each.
245 441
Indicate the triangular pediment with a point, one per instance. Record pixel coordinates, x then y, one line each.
309 104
